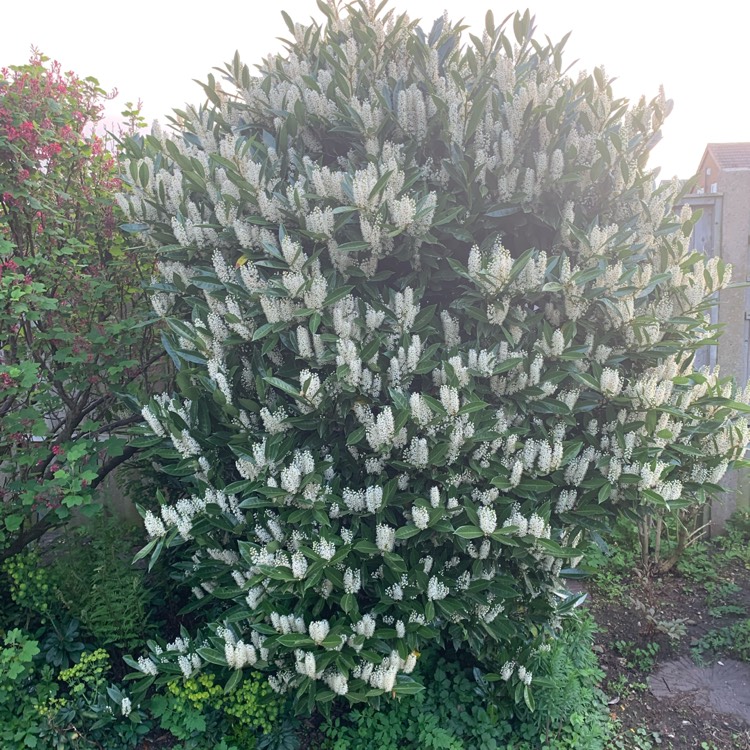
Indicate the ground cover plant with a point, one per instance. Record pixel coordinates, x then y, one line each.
433 322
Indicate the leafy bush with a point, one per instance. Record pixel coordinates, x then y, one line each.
29 588
73 345
432 321
198 712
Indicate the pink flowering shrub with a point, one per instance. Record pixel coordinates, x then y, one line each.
71 343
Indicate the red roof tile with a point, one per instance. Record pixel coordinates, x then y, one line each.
730 155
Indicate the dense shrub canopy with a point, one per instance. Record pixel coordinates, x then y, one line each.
433 320
72 306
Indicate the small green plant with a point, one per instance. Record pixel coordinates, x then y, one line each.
283 737
89 676
611 564
674 629
697 563
197 709
636 739
82 685
61 646
718 598
86 712
738 524
641 659
729 641
253 709
623 687
183 709
735 543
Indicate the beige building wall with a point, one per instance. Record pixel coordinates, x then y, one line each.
734 305
723 195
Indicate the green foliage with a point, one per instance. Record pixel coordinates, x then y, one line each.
736 541
198 712
738 525
705 562
252 708
610 564
282 737
17 655
728 641
463 711
73 346
699 564
85 711
181 710
447 714
97 585
720 597
642 659
674 628
29 587
19 723
61 646
89 675
570 710
640 738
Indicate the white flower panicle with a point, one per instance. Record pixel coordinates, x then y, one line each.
319 631
487 519
385 537
153 422
126 706
421 517
436 589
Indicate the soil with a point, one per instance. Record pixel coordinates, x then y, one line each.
656 689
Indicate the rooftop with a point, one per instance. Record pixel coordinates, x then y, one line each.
730 155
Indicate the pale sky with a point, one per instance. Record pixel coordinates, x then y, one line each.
153 50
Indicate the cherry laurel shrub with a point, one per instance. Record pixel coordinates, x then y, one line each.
433 321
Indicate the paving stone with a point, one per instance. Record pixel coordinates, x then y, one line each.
724 686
